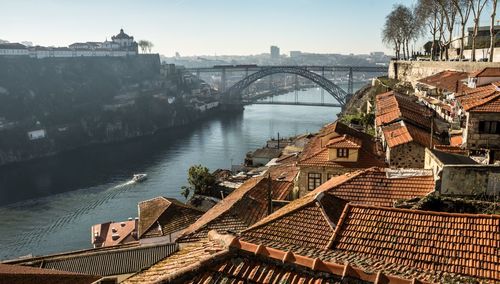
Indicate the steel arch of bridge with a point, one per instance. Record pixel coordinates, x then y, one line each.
338 93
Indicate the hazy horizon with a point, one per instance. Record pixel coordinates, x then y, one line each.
206 28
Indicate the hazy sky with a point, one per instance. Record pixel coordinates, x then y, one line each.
201 27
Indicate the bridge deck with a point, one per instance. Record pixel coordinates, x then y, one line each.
291 103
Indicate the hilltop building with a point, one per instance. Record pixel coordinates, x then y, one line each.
120 45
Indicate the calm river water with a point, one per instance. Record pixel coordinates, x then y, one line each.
48 205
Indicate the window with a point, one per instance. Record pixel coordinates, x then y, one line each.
489 127
342 153
313 180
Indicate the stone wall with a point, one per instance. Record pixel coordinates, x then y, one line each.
409 155
474 139
412 71
466 180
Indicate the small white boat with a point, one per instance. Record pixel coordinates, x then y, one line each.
139 177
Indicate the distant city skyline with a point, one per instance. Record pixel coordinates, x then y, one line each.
216 27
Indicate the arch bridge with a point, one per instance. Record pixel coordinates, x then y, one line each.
233 95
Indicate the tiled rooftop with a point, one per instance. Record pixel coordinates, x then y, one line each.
232 260
381 187
17 274
447 80
316 152
344 141
162 216
308 222
465 244
486 72
401 133
189 254
114 233
481 99
391 107
240 209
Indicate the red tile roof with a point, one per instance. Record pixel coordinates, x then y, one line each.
401 133
447 80
234 260
486 72
465 244
316 154
345 141
391 107
307 222
239 210
481 99
114 233
162 216
17 274
381 187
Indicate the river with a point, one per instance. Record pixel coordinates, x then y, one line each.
48 205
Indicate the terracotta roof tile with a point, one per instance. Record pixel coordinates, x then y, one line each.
382 187
447 80
189 254
316 153
239 210
486 72
344 141
168 214
401 133
307 222
114 233
465 244
391 107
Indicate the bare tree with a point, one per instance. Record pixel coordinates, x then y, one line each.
449 13
493 34
464 8
390 34
143 44
150 46
428 14
477 8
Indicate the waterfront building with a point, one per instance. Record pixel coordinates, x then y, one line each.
114 233
335 150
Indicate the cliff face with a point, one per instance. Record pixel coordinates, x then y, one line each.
56 104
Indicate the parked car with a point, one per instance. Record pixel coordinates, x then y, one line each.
484 59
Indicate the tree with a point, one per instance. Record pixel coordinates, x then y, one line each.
400 28
464 8
428 14
493 35
200 181
477 8
449 12
150 46
143 44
